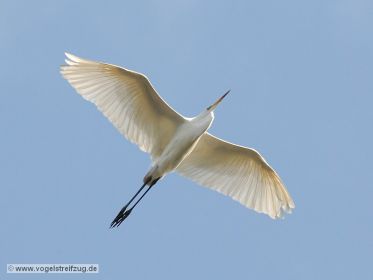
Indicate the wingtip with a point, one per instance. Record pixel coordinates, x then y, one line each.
67 54
74 58
71 56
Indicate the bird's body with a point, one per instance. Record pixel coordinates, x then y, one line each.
174 142
180 146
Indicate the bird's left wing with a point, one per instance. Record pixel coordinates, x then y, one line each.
127 99
238 172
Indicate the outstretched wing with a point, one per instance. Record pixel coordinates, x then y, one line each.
238 172
127 99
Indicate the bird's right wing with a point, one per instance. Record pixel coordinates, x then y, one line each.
127 99
238 172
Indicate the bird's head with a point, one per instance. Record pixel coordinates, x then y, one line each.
216 103
207 116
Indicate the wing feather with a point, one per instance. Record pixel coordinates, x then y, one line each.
127 99
238 172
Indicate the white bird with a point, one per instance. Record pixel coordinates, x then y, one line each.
174 142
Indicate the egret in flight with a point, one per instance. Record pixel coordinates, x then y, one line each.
174 142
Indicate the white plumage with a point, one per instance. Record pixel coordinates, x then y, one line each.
127 99
177 143
238 172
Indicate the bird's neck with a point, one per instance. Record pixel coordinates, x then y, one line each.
204 119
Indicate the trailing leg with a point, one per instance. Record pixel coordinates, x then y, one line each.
124 213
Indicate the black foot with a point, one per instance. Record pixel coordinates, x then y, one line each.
122 215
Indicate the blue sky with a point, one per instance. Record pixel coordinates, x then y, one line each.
301 80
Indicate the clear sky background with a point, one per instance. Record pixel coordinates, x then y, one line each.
301 80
